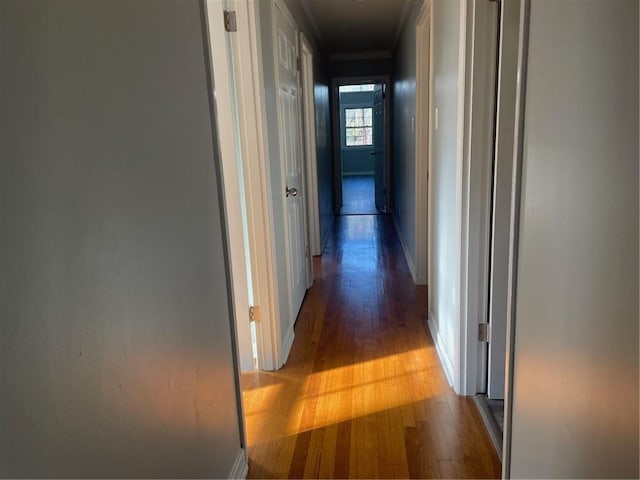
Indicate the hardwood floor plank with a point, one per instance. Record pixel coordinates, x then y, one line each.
363 394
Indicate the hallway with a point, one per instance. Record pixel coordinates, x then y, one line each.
363 393
358 195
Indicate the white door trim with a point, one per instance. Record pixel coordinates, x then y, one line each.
423 142
521 75
478 49
311 163
232 181
245 85
502 195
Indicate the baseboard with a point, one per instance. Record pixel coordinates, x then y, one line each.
240 467
444 358
493 429
286 345
407 256
353 174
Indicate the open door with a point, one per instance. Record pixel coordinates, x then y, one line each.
291 159
378 146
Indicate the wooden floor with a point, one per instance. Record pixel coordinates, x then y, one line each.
363 394
358 195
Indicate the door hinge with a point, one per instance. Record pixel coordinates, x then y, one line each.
254 313
484 332
230 24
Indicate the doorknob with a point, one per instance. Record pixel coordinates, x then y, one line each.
292 192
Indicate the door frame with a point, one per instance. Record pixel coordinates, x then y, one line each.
502 195
244 84
424 97
245 92
337 82
310 148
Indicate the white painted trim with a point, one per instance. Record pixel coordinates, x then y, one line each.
523 52
423 124
232 181
461 325
309 113
481 29
429 170
305 153
249 83
405 249
447 366
240 467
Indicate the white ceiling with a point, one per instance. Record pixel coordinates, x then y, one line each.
357 26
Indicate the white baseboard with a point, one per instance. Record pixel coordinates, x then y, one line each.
444 358
407 256
286 346
240 467
349 174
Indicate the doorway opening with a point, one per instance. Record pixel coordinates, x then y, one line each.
360 131
359 146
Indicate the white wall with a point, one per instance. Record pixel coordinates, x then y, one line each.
446 161
403 160
575 397
116 355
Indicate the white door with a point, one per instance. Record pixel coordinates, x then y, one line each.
290 158
378 145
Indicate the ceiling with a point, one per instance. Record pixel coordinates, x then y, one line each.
357 27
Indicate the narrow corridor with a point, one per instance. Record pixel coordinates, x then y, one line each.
358 195
363 393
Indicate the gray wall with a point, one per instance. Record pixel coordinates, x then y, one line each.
356 159
115 339
403 165
575 411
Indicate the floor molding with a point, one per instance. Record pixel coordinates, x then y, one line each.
444 359
405 250
240 467
493 429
